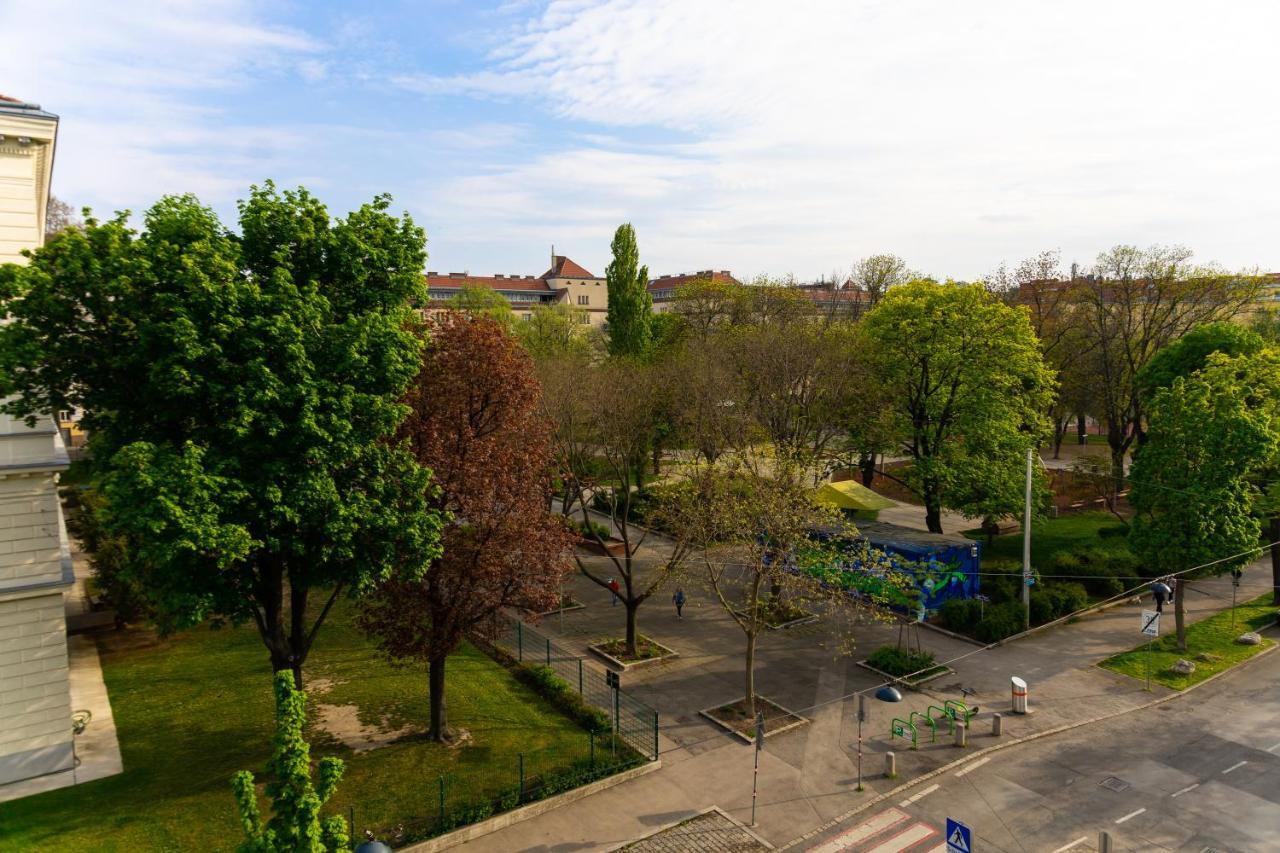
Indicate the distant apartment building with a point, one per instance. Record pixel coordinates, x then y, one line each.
35 557
564 283
664 289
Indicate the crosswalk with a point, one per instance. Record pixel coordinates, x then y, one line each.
890 831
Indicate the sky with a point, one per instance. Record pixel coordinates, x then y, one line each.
762 137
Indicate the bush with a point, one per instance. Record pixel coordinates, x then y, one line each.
960 614
895 661
1054 601
591 530
1002 620
557 691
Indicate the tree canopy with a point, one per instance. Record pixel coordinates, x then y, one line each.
240 393
969 388
1191 352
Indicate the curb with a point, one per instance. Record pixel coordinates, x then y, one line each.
946 768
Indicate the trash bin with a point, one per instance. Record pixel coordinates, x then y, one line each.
1019 695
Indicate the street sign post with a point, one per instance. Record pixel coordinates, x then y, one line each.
959 837
1150 630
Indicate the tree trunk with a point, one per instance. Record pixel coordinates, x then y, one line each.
932 508
1180 615
435 678
1275 560
1117 467
1059 433
750 682
867 465
632 607
1082 430
657 461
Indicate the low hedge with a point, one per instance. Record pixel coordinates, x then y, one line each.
558 692
1001 621
899 662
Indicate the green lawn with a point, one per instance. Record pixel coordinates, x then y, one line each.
193 709
1053 535
1211 645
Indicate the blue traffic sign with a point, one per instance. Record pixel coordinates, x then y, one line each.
959 837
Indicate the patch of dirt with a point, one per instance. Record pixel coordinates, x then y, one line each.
343 722
317 686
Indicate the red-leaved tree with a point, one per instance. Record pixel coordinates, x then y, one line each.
475 424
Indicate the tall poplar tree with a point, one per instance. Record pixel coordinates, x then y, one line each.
630 305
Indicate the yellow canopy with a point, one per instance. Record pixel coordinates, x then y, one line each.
850 494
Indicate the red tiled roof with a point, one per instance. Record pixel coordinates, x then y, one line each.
494 282
565 268
668 282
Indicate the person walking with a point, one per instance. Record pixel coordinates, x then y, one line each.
613 588
678 599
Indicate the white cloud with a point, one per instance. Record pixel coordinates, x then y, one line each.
799 137
127 78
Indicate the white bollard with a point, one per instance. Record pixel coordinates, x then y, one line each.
997 725
890 766
1019 695
962 734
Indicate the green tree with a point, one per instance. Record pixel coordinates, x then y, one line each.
295 825
483 302
1190 477
630 305
557 331
1191 352
969 388
241 393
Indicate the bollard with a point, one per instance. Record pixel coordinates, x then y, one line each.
890 766
1019 696
997 725
1104 842
962 734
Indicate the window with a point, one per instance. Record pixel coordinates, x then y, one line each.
528 317
584 319
584 299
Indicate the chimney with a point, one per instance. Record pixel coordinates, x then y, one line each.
1074 269
497 275
432 272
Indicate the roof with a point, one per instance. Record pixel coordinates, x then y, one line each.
850 494
17 106
670 282
562 267
884 533
459 280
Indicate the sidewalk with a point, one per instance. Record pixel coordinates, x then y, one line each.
808 775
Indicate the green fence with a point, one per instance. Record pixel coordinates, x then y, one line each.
457 799
634 722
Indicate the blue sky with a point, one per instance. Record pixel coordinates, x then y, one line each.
753 136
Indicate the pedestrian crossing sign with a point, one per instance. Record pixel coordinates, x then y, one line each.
959 837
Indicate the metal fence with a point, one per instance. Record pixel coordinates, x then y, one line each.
509 780
634 722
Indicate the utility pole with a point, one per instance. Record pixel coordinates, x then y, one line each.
862 715
1026 548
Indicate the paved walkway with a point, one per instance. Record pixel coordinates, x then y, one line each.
808 775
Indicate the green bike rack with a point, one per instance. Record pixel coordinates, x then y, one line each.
943 714
957 708
899 729
933 727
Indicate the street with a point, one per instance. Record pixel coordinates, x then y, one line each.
1198 773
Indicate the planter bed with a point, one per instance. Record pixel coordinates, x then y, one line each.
611 548
927 676
733 718
651 652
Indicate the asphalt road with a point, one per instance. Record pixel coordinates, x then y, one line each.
1199 773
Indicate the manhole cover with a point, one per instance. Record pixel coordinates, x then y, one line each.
1111 783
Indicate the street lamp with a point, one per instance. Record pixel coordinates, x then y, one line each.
887 693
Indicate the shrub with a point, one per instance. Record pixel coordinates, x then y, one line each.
1002 620
590 530
557 691
960 614
895 661
1111 530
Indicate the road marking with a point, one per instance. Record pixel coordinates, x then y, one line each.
907 838
861 832
974 766
1065 847
1184 790
1130 815
1235 766
920 796
1273 747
